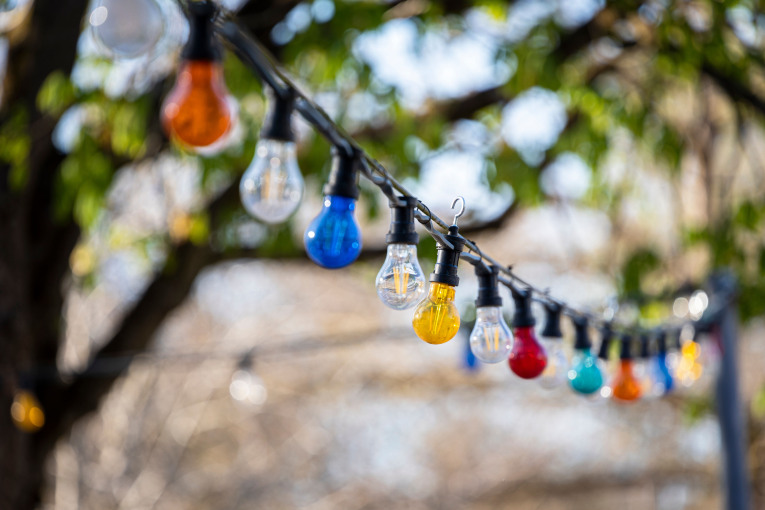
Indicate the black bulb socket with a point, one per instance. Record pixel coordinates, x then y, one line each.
488 286
645 346
606 335
523 317
552 321
661 342
202 45
344 176
447 259
626 348
677 340
402 222
278 122
582 334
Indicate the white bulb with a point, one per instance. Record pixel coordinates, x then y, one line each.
127 28
556 372
491 339
248 388
272 186
401 282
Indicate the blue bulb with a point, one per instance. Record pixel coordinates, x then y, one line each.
585 376
470 362
333 239
662 381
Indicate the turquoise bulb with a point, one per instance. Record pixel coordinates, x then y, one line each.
585 376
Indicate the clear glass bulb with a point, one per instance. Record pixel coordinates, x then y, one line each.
436 319
127 28
555 373
491 338
272 186
248 388
333 238
401 282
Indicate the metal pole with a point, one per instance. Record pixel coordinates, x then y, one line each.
729 409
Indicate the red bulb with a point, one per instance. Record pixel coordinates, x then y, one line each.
528 358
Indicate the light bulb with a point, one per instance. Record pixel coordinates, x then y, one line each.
585 376
127 28
662 381
491 339
196 112
401 282
556 371
641 367
26 412
272 187
528 358
436 318
248 388
625 386
333 238
689 367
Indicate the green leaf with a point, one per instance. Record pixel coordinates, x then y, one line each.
56 94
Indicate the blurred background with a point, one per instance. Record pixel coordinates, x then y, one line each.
613 152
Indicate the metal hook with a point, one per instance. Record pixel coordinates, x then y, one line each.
462 209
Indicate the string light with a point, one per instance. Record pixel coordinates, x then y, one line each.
556 371
585 376
26 412
491 338
272 186
196 111
196 114
400 282
436 319
333 238
625 386
528 358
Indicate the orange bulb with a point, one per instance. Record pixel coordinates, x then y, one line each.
626 386
196 112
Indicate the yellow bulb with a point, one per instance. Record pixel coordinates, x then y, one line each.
26 412
436 319
689 368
